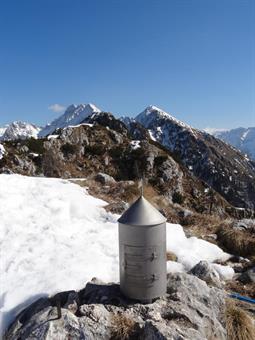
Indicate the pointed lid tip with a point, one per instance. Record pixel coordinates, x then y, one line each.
142 213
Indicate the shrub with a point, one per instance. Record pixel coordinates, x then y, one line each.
96 149
238 323
35 145
160 160
68 149
116 152
123 327
177 197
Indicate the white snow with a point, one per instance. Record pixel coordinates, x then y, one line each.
215 131
225 272
2 151
174 267
52 136
190 251
2 130
135 144
151 133
54 236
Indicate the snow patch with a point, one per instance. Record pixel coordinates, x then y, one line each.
135 144
2 151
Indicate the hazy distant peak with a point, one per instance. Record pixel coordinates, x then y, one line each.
20 130
73 115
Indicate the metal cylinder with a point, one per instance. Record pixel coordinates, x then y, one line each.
142 252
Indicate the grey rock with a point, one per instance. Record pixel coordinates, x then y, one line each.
104 178
204 272
195 305
24 149
190 310
248 276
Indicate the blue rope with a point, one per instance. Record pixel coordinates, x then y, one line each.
242 298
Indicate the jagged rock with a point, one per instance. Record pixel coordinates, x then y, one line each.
206 273
248 276
104 178
191 310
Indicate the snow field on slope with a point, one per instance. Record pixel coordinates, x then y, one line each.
55 237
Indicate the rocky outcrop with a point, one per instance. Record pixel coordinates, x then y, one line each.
190 310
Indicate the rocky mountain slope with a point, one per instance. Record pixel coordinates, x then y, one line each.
241 138
19 130
73 115
199 155
103 144
221 166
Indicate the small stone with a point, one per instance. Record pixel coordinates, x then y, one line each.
104 178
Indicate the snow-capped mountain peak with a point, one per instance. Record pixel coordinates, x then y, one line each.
20 130
153 114
73 115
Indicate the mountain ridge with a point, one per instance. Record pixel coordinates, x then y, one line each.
19 130
241 138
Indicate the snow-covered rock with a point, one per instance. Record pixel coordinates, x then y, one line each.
20 130
2 151
241 138
54 236
73 115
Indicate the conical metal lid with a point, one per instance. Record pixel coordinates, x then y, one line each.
142 213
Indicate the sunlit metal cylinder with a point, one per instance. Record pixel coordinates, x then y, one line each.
142 252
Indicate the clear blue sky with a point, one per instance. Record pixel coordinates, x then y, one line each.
193 58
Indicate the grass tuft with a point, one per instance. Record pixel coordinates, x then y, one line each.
170 256
238 323
123 327
237 241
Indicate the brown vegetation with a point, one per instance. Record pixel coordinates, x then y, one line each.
170 256
238 323
123 327
238 242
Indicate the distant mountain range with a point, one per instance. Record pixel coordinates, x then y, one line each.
221 166
241 138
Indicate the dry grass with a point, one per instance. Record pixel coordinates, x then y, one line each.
238 323
237 242
123 327
170 256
